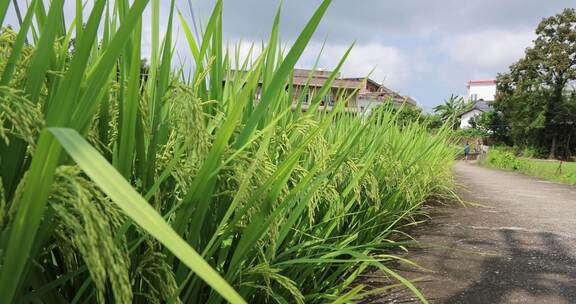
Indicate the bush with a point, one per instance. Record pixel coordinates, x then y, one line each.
471 133
492 125
532 152
499 158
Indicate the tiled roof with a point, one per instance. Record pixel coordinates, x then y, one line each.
480 105
318 82
319 78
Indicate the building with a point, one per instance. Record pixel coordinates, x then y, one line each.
482 93
481 90
479 107
313 81
373 94
366 93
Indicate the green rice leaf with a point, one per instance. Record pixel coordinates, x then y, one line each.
3 9
31 207
100 71
44 51
120 191
281 75
18 44
60 110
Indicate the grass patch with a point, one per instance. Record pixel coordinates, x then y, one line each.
564 172
553 170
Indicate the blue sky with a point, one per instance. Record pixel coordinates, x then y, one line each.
424 49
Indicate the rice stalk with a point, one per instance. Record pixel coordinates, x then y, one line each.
128 182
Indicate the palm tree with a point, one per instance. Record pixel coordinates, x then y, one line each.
450 109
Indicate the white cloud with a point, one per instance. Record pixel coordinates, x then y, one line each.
489 48
253 49
389 64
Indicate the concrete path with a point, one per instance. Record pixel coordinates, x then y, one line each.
519 248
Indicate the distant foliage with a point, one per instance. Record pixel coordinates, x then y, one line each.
499 158
491 124
433 120
531 151
505 158
404 114
470 133
533 97
450 110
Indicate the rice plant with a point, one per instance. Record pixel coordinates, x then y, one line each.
127 183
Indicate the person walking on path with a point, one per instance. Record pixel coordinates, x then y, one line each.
466 151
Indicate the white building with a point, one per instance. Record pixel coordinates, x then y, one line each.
482 90
479 107
482 93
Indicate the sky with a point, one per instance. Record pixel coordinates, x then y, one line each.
424 49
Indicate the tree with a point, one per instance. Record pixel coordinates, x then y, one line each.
433 121
405 114
451 109
532 96
492 123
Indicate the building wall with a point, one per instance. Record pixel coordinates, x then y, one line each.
465 119
371 87
364 94
366 106
486 92
329 99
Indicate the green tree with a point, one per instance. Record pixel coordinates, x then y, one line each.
450 110
492 123
433 121
532 95
405 114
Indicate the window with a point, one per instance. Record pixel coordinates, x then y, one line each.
474 97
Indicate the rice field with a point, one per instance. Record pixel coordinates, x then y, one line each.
130 183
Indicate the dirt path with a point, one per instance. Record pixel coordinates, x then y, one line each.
520 248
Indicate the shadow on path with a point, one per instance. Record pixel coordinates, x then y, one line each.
517 246
548 270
